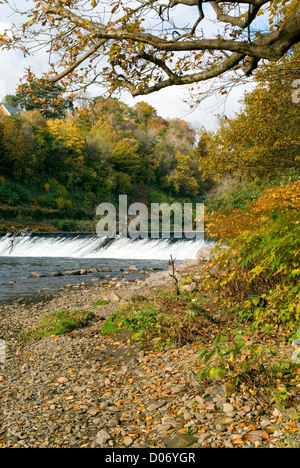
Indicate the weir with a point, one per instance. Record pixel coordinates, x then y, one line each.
89 245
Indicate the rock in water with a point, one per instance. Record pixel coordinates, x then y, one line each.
35 274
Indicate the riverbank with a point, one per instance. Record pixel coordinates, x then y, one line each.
83 389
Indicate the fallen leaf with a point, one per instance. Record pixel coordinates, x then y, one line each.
238 442
266 435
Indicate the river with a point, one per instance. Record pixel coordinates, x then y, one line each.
60 252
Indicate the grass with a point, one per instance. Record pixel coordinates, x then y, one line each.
165 320
100 303
136 320
56 323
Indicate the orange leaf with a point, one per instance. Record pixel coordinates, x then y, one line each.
265 435
238 442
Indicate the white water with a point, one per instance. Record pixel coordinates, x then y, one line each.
64 246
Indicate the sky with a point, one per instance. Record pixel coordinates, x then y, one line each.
168 102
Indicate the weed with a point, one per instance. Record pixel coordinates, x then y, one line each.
56 323
100 303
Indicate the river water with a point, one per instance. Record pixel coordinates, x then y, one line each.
49 253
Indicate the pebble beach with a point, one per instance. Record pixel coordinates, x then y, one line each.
86 390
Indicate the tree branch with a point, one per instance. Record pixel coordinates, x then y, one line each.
120 36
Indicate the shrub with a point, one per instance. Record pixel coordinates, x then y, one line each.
245 360
260 271
159 322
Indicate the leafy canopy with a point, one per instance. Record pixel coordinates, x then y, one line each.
146 46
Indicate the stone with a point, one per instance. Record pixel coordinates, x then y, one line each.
210 408
133 268
254 436
92 270
163 427
203 437
187 262
73 272
187 416
228 408
205 254
296 355
180 441
62 380
264 422
36 274
189 287
156 405
112 297
223 421
128 441
102 437
224 390
114 422
104 269
200 400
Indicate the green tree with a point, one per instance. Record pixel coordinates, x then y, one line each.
46 97
182 179
125 157
14 162
11 100
71 145
262 141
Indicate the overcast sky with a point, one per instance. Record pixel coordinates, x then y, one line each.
168 102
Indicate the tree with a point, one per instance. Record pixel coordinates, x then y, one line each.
182 179
146 45
125 156
262 141
68 146
10 100
44 96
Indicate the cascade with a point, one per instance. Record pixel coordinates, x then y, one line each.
85 246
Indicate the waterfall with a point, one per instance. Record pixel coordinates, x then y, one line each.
85 246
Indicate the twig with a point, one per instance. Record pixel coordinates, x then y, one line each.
173 274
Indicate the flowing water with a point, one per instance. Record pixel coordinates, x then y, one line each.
48 253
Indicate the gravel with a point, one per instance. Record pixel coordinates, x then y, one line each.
85 390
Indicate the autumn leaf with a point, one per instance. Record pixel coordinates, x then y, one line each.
266 435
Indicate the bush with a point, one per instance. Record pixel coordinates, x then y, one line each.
233 199
245 360
260 271
163 321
